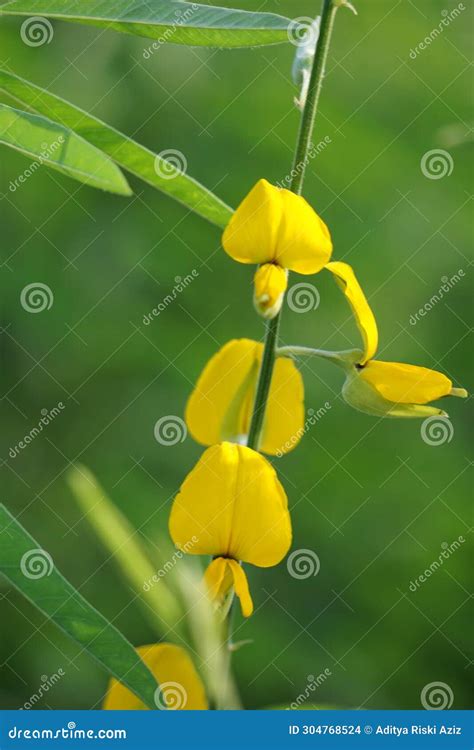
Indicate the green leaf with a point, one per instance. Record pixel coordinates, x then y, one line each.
47 142
32 571
164 20
125 544
137 159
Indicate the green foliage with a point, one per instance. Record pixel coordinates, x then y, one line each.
164 20
127 549
47 142
31 570
137 159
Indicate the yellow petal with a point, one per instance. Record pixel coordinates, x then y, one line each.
233 502
214 411
223 574
220 407
284 417
304 242
406 384
275 225
364 316
180 685
270 283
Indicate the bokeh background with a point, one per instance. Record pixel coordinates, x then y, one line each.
370 497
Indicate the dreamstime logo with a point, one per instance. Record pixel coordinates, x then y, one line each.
36 297
171 696
437 430
169 564
36 563
170 164
47 416
313 417
303 563
448 16
303 31
314 682
447 549
303 297
436 164
181 18
36 31
47 682
170 430
437 696
447 283
298 169
180 285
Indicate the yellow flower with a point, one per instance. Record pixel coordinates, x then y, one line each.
234 504
220 407
180 685
386 388
276 228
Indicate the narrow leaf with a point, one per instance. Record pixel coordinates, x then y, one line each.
47 142
32 571
124 543
137 159
164 20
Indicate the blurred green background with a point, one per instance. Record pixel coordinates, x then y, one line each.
369 497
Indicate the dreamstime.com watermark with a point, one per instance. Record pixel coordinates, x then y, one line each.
447 551
180 285
314 682
47 150
66 733
314 151
48 416
448 16
181 17
447 283
312 418
169 564
46 684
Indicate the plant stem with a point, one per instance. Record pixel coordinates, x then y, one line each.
344 359
300 160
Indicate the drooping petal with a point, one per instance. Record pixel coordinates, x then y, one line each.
347 281
275 225
233 502
406 384
270 283
220 407
181 686
221 575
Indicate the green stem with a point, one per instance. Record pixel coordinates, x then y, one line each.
344 359
300 160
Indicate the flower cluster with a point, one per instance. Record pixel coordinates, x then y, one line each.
232 504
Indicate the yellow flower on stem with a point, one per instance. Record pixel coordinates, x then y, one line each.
220 407
390 389
278 230
234 504
180 685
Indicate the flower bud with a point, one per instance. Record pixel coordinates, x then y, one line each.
270 283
